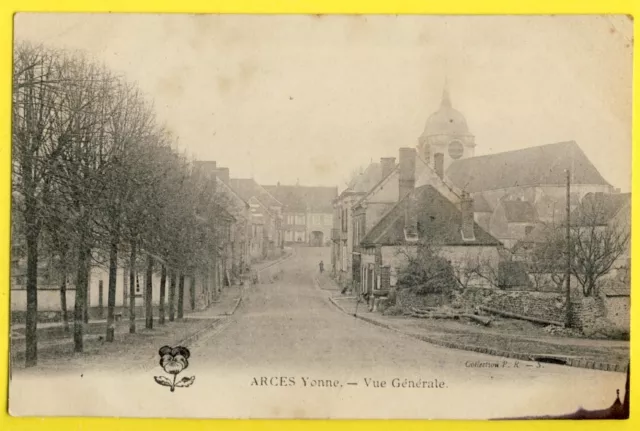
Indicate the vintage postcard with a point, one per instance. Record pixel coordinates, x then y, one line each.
297 216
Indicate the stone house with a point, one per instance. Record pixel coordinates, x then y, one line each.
512 220
370 208
342 232
238 208
423 215
266 218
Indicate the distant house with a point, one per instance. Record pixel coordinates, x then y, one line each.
307 212
266 218
241 230
342 237
512 220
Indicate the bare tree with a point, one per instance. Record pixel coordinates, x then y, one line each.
38 74
596 244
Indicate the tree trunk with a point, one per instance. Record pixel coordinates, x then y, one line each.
148 294
111 295
181 296
31 357
81 293
85 313
192 291
132 289
172 296
63 291
163 288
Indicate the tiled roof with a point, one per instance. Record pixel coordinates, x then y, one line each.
248 188
542 165
376 187
439 222
519 211
367 179
302 198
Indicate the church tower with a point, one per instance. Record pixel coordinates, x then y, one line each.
447 134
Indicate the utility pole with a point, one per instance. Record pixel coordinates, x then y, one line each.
568 316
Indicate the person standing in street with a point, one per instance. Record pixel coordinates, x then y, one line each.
321 267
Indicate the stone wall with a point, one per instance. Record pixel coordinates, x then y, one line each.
618 310
541 305
407 299
586 311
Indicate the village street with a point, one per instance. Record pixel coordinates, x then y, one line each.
286 335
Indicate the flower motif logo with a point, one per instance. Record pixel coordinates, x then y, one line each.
174 360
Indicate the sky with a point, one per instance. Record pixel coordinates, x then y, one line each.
311 98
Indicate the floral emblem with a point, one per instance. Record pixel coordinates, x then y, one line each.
173 361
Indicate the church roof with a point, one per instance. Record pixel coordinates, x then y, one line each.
519 212
542 165
439 222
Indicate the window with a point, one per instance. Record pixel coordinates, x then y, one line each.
300 219
328 220
345 258
356 232
344 220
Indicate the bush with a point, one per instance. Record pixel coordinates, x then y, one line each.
427 273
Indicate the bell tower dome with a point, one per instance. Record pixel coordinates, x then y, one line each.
446 132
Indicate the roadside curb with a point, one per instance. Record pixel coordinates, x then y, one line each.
237 304
571 362
316 284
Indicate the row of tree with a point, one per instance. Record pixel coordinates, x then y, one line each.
97 180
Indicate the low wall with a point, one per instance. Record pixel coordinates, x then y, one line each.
618 310
586 311
542 305
407 299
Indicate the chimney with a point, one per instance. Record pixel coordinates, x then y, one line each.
467 222
223 174
388 164
438 164
407 180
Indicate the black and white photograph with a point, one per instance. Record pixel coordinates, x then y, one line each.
321 216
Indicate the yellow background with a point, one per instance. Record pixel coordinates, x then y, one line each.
9 7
